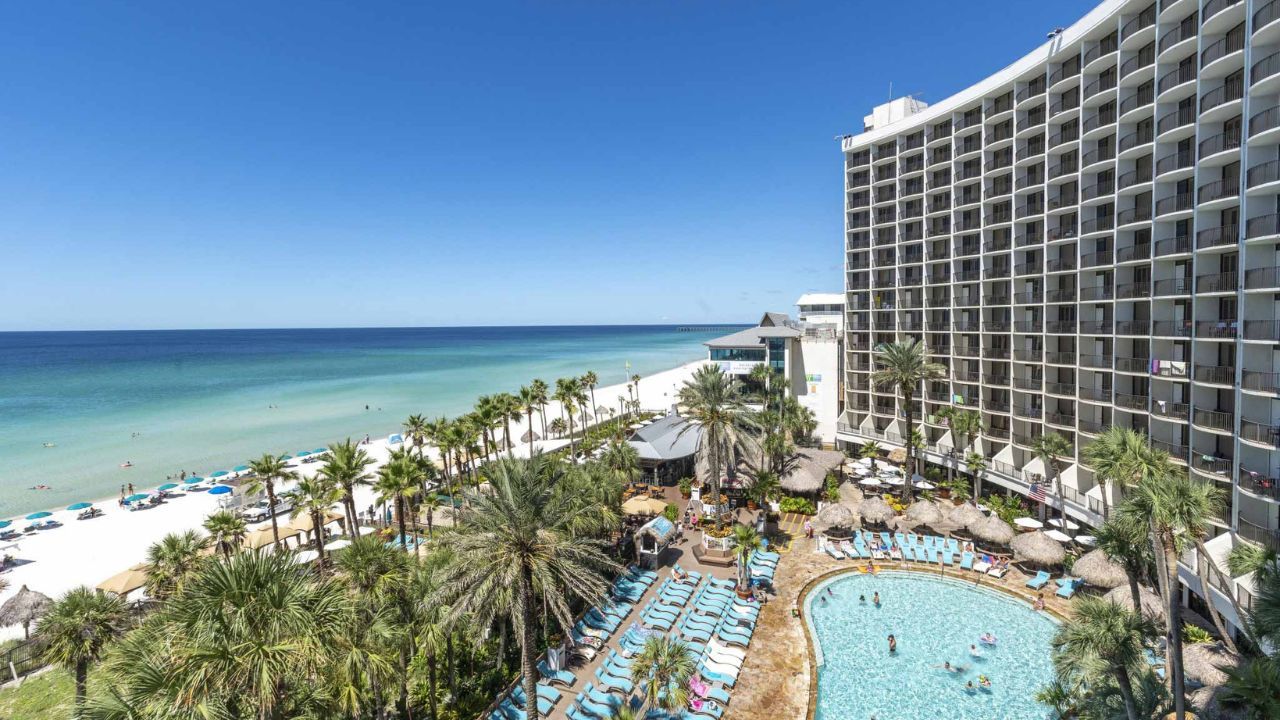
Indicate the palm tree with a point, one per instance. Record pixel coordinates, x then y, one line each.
904 365
621 460
511 411
540 390
589 381
431 503
1120 455
565 394
226 531
1176 508
1051 448
975 463
345 466
1125 540
76 630
173 560
314 497
557 427
513 556
1102 639
487 417
661 671
415 429
745 544
1255 687
269 470
635 382
529 399
398 481
870 450
713 403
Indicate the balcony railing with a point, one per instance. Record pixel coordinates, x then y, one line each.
1262 226
1262 330
1217 329
1171 328
1132 364
1102 394
1217 282
1096 361
1219 189
1174 246
1216 374
1033 384
1228 92
1177 203
1176 161
1133 327
1267 382
1061 358
1095 327
1126 291
1262 433
1167 409
1176 119
1130 401
1144 20
1213 419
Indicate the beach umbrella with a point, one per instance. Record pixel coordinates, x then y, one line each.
1037 548
79 506
262 538
5 524
395 439
991 529
136 497
39 515
240 468
193 480
834 515
24 608
220 473
337 544
1057 536
1204 662
875 510
923 485
123 583
367 529
869 482
167 486
220 490
923 512
1057 522
965 514
1027 523
643 505
1098 570
302 453
1152 604
306 556
319 451
529 436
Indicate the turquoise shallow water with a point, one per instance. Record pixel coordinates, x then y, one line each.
934 621
199 400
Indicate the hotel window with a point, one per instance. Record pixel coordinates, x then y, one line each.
744 354
778 353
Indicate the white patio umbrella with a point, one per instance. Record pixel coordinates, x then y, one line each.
1057 522
1058 535
306 556
869 482
895 481
1028 523
923 484
337 544
1086 540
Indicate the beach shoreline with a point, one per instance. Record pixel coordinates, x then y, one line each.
86 552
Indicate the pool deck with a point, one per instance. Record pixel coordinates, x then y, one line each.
777 681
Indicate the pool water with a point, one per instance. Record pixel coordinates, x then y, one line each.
934 620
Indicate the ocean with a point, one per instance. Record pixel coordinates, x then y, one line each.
204 400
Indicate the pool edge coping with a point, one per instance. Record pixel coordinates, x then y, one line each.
798 613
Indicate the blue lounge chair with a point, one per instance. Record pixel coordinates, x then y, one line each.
908 552
595 707
693 575
1067 587
613 683
947 555
708 674
833 552
966 561
930 555
884 538
718 694
953 545
575 713
1039 581
556 676
901 538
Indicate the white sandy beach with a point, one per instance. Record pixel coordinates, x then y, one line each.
90 551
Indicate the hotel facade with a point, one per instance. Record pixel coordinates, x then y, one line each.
1089 237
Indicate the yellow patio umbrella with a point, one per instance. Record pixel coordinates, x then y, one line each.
303 523
264 538
126 582
643 505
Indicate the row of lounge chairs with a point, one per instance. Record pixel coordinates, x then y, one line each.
1067 586
930 549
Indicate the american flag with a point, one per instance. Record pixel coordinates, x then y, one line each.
1037 492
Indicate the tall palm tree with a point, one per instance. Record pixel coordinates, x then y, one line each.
870 450
621 460
589 380
745 544
661 671
513 555
1177 509
635 382
510 410
76 630
1051 448
416 429
173 559
314 497
1119 455
904 365
431 503
1126 540
226 531
398 481
712 402
1102 639
540 390
487 416
566 395
529 399
346 466
269 470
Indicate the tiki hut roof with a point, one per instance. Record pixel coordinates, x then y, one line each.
1207 701
1037 548
263 538
806 471
875 510
1204 662
1152 605
834 515
529 436
851 494
945 526
923 512
965 515
992 529
1096 569
303 522
898 455
643 505
24 607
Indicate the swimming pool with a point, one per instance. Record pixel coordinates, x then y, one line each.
934 620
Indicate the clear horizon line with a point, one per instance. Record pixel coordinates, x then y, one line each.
384 327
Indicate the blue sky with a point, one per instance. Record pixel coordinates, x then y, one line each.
236 164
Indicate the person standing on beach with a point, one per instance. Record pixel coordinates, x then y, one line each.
130 488
122 492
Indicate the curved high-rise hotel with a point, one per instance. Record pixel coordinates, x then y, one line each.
1089 237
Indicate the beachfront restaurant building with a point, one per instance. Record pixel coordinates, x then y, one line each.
667 447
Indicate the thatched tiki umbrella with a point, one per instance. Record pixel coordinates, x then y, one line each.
24 608
898 455
1152 604
945 526
1098 570
805 472
923 512
851 495
992 529
1038 549
965 515
875 510
529 436
834 515
1205 662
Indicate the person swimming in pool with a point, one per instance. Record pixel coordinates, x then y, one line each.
862 599
876 598
984 681
987 639
974 651
893 644
969 688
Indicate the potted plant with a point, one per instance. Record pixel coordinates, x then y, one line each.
746 542
763 488
686 488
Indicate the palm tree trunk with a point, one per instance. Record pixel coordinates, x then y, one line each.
528 646
404 543
82 675
1134 593
431 684
910 445
271 508
319 531
1174 611
1126 692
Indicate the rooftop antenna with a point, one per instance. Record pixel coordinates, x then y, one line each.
890 90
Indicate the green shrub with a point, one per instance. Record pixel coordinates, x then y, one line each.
671 513
802 506
1194 634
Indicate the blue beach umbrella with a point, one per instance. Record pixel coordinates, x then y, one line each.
136 497
240 468
39 515
80 506
220 490
193 480
167 486
303 453
220 473
319 451
5 524
285 457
